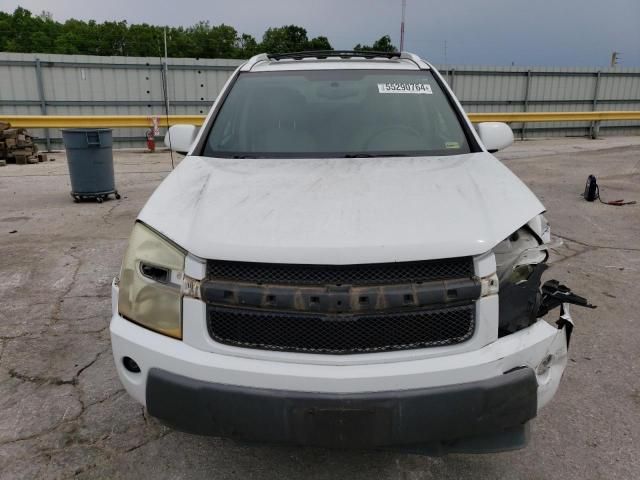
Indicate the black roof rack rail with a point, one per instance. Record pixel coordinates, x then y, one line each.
322 54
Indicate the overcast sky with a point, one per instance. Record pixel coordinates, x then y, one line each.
480 32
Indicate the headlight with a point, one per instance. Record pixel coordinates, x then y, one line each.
516 254
150 282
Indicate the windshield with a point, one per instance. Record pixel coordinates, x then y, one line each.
336 113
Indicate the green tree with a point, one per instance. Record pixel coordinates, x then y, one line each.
24 32
77 37
222 42
21 31
45 32
144 40
319 43
246 46
213 41
112 38
181 44
5 24
290 38
383 44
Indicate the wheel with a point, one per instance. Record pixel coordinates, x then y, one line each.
99 199
117 196
76 200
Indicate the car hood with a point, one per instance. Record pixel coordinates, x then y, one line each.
340 211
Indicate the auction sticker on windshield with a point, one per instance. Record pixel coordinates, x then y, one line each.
415 88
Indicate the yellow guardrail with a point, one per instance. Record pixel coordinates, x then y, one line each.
555 116
91 121
115 121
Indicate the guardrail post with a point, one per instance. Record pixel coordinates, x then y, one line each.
526 103
43 102
594 129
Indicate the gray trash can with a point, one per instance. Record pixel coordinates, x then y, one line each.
90 160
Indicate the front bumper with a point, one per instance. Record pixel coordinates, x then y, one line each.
428 416
495 389
377 400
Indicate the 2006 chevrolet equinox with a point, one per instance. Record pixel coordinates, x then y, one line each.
340 261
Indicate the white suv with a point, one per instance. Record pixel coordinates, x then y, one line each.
340 261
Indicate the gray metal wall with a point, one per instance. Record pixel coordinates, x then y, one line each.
549 89
33 84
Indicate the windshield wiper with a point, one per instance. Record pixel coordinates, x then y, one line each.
373 155
347 155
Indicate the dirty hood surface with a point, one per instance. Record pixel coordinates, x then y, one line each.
340 211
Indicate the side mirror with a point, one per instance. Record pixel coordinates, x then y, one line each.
495 135
179 138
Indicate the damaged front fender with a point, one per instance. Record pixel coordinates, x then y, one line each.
520 262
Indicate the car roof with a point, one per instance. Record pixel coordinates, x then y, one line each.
338 60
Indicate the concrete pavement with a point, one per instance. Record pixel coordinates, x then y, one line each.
63 412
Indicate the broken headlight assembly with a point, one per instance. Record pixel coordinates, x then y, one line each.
150 282
520 262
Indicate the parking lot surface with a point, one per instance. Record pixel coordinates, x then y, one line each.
63 412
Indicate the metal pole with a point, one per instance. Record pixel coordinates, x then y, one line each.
404 8
43 102
526 103
166 70
445 53
595 126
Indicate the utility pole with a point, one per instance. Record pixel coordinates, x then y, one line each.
404 8
445 53
166 72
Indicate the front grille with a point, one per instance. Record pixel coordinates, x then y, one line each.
361 274
341 334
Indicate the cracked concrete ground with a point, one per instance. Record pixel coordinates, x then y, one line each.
63 412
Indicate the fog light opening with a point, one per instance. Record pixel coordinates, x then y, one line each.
130 364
